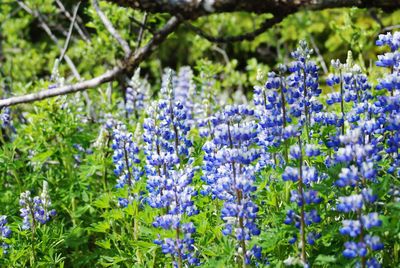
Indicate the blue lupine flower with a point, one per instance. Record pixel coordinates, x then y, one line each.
390 60
290 174
312 150
270 102
125 159
354 249
386 108
185 90
350 203
358 154
136 94
293 240
229 173
368 195
373 263
373 242
312 236
305 111
351 228
393 41
81 150
5 117
169 171
295 151
36 210
5 232
371 220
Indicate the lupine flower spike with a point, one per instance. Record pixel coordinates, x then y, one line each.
35 211
169 172
125 158
229 175
5 233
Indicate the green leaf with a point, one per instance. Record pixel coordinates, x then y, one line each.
103 201
101 227
322 259
42 157
104 244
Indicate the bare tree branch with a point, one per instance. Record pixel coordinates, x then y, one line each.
390 28
222 52
191 9
320 57
110 28
141 32
84 35
131 63
237 38
108 76
139 23
70 63
47 29
70 31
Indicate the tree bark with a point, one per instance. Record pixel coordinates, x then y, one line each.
128 64
191 9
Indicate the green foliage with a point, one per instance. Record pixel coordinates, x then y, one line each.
90 230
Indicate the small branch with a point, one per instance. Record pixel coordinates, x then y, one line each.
390 28
110 28
222 52
141 31
69 32
47 29
70 63
81 32
108 76
192 9
268 23
139 23
320 57
131 63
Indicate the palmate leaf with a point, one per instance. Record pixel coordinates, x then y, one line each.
103 201
114 214
101 227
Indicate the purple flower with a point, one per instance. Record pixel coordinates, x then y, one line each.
5 232
36 210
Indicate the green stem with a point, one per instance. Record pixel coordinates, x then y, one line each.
341 100
283 100
302 213
33 234
239 199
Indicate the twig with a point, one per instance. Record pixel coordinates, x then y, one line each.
110 28
70 63
132 62
389 28
139 23
236 38
222 52
320 57
141 32
70 32
47 29
81 32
